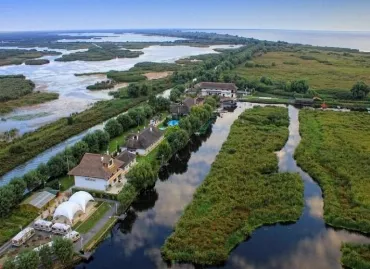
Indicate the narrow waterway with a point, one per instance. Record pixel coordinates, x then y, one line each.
308 243
136 241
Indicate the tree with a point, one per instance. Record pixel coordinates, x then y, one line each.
127 195
180 88
144 89
19 187
163 104
28 259
142 176
113 128
79 149
57 165
33 179
164 151
133 90
92 141
7 200
210 101
46 257
63 249
148 111
175 95
360 90
43 170
102 139
185 124
125 121
9 264
300 86
195 123
177 140
137 115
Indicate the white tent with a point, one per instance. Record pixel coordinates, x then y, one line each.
81 198
67 209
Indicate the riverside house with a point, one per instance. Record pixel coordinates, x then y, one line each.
216 88
182 108
145 141
101 172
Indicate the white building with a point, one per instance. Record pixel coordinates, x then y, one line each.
215 88
99 172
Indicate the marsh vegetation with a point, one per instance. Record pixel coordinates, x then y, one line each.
242 192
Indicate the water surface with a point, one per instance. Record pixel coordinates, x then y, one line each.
309 243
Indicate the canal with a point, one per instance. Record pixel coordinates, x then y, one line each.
136 241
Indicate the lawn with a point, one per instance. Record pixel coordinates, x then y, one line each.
335 151
88 224
324 72
66 182
99 235
242 192
11 225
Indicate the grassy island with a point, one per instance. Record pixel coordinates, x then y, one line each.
19 56
242 192
17 91
335 151
37 62
99 54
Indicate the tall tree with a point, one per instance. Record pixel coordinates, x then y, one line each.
103 139
63 250
360 90
28 259
113 128
142 176
164 151
46 257
19 187
125 121
79 149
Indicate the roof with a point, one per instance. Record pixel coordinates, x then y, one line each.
81 198
43 222
40 199
144 139
217 85
126 157
22 233
189 102
61 226
67 209
179 109
96 166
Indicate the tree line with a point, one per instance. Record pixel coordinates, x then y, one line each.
61 249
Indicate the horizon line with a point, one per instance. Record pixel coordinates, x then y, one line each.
128 29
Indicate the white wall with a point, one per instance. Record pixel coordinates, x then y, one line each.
226 93
90 183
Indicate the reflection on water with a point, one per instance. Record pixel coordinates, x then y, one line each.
73 96
309 243
136 241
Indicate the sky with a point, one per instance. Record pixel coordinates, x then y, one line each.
33 15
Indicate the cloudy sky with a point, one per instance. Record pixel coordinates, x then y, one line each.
18 15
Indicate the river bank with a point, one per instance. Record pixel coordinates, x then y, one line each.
136 241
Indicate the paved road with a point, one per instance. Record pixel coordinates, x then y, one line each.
86 237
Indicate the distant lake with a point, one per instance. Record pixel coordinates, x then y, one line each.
342 39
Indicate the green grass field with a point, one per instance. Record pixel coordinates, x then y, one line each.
88 224
335 151
325 71
242 192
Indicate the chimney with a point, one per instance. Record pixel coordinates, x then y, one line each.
151 128
102 159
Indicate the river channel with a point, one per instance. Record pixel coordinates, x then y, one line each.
136 241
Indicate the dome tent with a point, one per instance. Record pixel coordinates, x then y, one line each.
81 198
68 210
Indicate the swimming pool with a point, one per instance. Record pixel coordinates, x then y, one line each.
173 123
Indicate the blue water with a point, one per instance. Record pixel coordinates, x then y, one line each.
173 123
343 39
